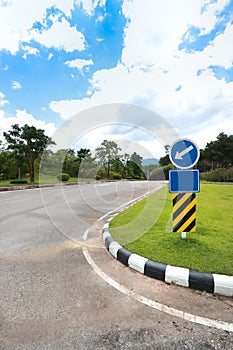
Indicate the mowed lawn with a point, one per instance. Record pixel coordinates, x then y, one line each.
146 229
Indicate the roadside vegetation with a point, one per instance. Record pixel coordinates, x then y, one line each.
27 156
208 250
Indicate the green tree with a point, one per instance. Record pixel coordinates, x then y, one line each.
220 151
118 167
164 160
27 141
87 165
135 163
83 153
106 153
8 166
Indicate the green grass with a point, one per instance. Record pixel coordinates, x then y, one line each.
143 231
45 179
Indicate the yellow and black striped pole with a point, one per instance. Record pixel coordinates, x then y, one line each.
184 212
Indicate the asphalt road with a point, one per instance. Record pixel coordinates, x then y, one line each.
52 298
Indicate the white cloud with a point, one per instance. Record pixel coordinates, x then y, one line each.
18 17
22 118
151 68
50 56
145 145
16 85
79 63
3 101
90 5
28 50
218 52
60 36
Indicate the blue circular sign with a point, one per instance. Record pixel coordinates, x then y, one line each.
184 153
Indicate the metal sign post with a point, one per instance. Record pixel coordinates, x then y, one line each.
183 184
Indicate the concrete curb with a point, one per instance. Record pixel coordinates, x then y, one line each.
29 186
211 283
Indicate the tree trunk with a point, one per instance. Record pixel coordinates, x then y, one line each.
108 174
32 169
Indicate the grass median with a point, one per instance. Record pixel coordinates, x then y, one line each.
146 229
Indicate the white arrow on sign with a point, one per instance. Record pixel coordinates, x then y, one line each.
179 155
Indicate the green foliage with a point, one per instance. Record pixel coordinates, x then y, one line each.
27 142
116 176
107 153
18 182
117 166
102 173
87 167
8 166
161 173
83 153
218 153
164 160
219 175
63 177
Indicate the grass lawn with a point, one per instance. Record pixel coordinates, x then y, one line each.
45 179
142 230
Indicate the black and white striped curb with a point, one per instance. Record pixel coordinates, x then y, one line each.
212 283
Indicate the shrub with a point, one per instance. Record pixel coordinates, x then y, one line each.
138 177
18 182
98 177
161 173
63 177
116 176
102 172
219 175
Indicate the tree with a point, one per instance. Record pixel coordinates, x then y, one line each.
163 161
118 167
83 153
27 141
220 151
135 163
87 165
8 165
106 153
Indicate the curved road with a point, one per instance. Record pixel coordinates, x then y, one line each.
53 296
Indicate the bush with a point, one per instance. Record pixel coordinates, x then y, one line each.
138 178
161 173
116 176
18 182
102 172
98 177
63 177
219 175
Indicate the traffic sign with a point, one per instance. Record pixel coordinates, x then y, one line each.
184 181
184 153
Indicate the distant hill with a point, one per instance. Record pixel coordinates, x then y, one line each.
150 161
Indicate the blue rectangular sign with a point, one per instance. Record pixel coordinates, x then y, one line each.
182 181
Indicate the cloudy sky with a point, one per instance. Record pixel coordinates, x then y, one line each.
174 57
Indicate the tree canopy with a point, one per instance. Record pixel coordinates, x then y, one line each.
106 153
29 142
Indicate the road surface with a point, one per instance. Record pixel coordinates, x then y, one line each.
58 282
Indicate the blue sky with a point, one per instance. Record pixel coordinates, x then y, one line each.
58 58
